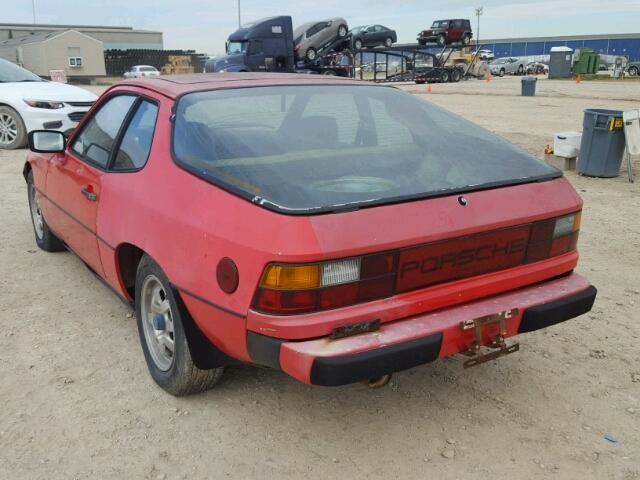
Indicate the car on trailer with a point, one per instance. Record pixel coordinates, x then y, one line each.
446 32
372 36
310 38
333 229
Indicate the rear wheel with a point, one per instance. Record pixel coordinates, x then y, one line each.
441 40
466 40
388 42
444 76
520 69
163 337
502 72
45 239
358 44
633 71
13 133
456 75
342 31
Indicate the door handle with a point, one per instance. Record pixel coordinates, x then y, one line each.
89 195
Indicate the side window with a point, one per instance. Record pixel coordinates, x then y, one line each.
96 140
457 24
255 47
136 142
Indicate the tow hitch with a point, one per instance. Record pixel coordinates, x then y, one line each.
482 327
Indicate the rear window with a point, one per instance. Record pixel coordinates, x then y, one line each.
307 149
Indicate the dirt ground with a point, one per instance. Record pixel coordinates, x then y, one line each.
78 403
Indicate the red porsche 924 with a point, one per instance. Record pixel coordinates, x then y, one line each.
336 230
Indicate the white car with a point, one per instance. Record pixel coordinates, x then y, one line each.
27 102
507 65
484 54
140 71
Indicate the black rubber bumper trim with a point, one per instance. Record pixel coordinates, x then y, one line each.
547 314
264 350
345 369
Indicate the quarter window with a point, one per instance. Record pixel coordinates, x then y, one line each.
136 143
97 139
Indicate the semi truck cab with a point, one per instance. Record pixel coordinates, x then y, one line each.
265 45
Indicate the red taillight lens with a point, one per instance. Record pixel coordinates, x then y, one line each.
287 289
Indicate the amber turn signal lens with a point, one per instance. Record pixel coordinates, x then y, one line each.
291 277
577 220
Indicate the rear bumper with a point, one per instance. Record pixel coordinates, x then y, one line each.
421 339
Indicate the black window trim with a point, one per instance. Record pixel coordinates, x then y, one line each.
138 99
205 176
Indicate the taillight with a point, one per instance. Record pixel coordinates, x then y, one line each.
287 289
550 238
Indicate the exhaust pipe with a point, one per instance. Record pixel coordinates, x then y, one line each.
378 382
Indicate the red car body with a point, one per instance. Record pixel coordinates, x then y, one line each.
188 225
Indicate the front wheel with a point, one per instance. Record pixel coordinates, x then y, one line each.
502 72
342 31
388 42
311 54
441 40
163 337
13 133
45 239
520 70
633 71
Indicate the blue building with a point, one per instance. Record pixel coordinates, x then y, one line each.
620 45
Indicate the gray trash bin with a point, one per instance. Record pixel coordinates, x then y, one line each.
602 145
529 86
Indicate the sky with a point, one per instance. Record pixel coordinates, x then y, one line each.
203 25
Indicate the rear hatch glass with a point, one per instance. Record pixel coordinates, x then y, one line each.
314 148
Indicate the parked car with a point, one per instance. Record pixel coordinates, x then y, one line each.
438 254
372 36
633 68
507 65
484 54
140 71
444 32
27 102
536 68
310 37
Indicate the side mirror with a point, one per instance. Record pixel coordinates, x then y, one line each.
46 141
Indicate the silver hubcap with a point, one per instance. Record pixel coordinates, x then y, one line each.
157 323
36 213
8 129
311 54
342 32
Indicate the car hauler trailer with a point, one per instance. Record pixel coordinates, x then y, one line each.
267 46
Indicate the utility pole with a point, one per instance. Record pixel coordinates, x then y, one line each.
479 12
239 18
33 8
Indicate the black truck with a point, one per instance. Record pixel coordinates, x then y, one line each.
265 45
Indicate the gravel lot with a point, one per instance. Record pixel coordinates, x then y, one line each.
78 402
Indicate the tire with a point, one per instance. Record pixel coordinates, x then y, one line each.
466 40
456 75
342 31
13 133
502 72
173 371
633 71
520 70
45 238
388 42
357 44
441 40
311 54
444 76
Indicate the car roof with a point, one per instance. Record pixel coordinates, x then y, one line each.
173 86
